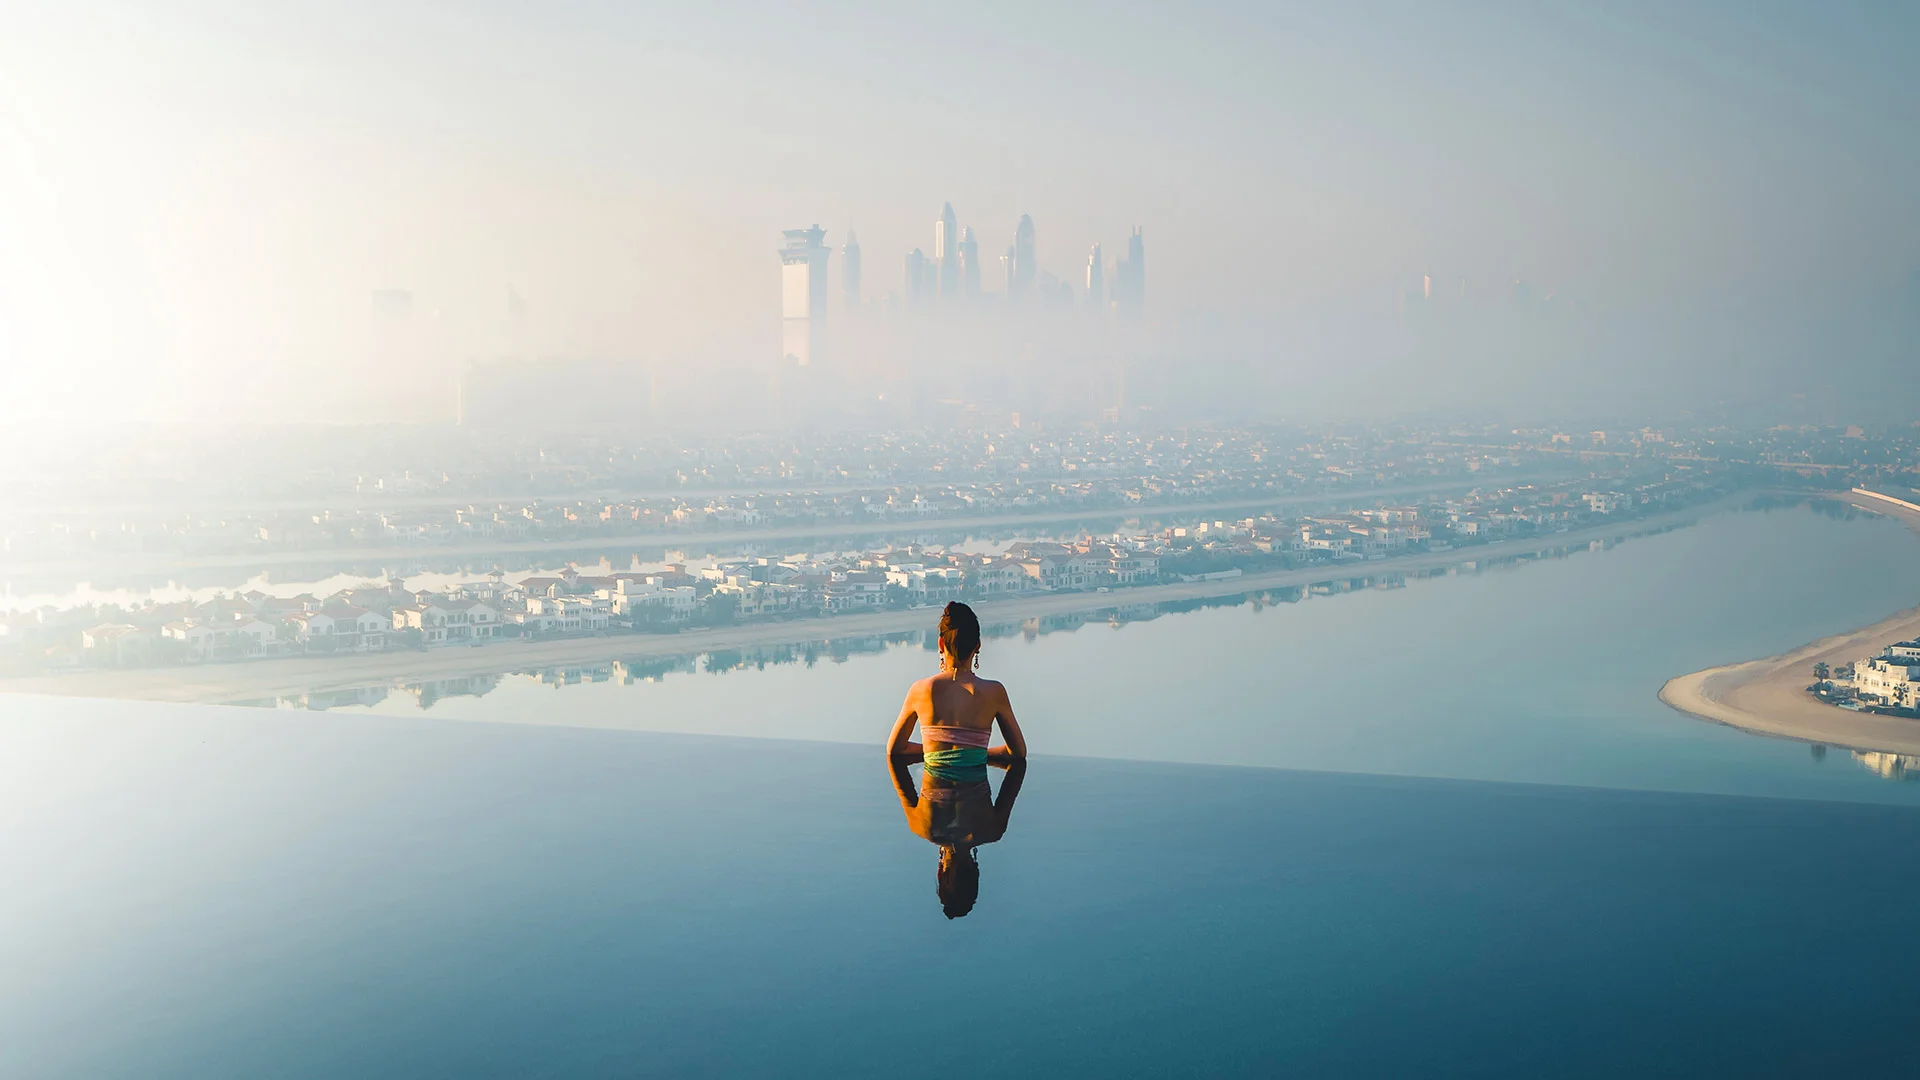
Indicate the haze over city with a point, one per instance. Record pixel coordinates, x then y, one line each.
550 539
1711 205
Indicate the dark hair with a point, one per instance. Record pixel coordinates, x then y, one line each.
959 631
959 883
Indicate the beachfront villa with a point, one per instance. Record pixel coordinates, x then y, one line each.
1889 679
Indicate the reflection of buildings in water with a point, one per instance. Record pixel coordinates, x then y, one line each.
427 693
1890 766
987 630
842 649
322 700
652 669
574 673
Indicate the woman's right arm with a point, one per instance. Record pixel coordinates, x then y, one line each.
897 743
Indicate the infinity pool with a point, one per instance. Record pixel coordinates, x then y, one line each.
203 892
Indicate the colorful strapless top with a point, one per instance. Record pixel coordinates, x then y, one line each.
955 736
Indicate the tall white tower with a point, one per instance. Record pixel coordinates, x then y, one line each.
946 252
803 292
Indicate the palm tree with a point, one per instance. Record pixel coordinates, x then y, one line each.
1820 671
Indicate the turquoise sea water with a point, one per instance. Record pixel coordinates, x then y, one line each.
1542 672
211 893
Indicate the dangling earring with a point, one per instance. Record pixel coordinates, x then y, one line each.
976 660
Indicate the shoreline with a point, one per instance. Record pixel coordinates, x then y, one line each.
290 676
1768 696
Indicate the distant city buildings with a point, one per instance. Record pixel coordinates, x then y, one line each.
919 278
1130 275
850 271
946 253
1022 266
948 276
969 264
803 292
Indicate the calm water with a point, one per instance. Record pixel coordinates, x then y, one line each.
1544 672
211 893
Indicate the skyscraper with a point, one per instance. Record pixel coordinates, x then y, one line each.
850 270
919 278
1023 259
946 254
803 292
969 263
1096 280
1130 274
1007 264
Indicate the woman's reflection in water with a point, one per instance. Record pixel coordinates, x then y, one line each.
956 711
959 815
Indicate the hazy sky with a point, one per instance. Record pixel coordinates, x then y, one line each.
196 200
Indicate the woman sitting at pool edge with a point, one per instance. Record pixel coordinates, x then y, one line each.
956 709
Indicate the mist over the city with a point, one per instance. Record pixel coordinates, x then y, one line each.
1082 539
328 212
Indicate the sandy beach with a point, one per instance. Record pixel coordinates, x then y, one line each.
1769 697
290 676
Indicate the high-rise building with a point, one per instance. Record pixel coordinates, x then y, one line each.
946 252
850 270
1130 274
1024 267
1096 280
969 264
803 292
919 278
1007 264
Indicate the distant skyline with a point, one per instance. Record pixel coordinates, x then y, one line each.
947 275
197 203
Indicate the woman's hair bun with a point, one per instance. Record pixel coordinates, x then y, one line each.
959 630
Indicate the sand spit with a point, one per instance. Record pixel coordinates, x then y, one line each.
1769 697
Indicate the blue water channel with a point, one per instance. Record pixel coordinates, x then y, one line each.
1538 671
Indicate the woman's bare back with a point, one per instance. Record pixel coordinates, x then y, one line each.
962 699
957 700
